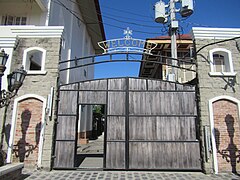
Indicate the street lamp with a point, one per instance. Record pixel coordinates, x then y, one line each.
3 61
15 81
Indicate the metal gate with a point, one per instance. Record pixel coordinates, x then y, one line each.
151 124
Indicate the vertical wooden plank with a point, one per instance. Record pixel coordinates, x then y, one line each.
67 103
116 103
115 128
117 84
137 84
115 157
64 154
92 97
94 85
66 127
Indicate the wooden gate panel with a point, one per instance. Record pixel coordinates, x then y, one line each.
162 128
117 84
115 155
67 131
64 154
160 155
116 128
137 84
68 97
116 103
92 97
115 141
65 142
94 85
162 103
66 127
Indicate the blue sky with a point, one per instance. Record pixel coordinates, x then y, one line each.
138 15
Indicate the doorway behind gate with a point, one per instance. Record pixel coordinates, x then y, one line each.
90 143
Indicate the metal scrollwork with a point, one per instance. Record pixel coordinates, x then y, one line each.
5 98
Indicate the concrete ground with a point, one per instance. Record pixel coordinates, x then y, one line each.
91 155
122 175
93 147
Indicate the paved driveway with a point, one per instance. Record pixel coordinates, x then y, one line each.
122 175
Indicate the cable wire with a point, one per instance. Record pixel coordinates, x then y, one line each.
61 4
108 24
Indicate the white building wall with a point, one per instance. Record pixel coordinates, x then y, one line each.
75 38
85 118
76 41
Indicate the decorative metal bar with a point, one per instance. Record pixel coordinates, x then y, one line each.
5 97
124 53
107 61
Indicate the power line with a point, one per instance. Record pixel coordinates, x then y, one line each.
127 22
61 4
108 24
124 11
134 19
122 17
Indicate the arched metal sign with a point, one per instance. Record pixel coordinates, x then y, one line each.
127 44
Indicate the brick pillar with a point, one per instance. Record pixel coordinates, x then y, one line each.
227 135
27 134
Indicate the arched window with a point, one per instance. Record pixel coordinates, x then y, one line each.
34 60
221 62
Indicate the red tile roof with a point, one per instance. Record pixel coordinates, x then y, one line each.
182 36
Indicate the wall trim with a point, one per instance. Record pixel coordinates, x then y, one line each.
13 128
229 58
43 61
214 33
10 33
210 106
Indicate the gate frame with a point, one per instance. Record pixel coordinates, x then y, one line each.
126 141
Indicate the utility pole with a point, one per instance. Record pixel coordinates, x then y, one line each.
173 33
162 17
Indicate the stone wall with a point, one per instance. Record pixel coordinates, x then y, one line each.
39 85
210 87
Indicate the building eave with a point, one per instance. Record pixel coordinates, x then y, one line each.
41 5
10 34
92 17
37 31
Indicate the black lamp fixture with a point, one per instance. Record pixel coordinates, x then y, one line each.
15 80
3 61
